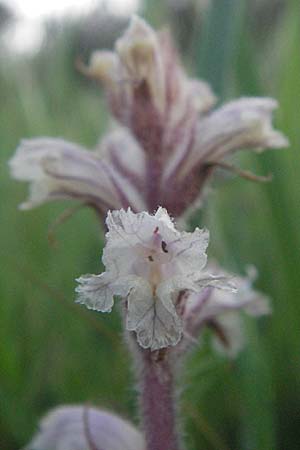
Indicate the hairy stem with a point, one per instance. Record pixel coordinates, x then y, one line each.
157 401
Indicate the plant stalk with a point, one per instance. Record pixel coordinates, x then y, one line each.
157 401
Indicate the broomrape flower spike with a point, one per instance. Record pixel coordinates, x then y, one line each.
149 264
167 141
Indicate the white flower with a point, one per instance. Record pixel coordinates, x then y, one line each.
149 263
76 427
220 311
58 169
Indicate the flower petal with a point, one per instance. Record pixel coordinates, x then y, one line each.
95 292
202 95
154 319
59 169
219 310
243 123
229 338
229 299
77 427
189 251
224 282
162 214
122 152
129 229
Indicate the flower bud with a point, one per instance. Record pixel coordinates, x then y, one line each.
138 50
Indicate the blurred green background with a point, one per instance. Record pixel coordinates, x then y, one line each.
53 351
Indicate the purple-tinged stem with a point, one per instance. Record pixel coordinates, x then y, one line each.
157 401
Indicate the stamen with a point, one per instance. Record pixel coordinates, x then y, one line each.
164 247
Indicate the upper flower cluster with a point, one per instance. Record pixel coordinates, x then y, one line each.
167 140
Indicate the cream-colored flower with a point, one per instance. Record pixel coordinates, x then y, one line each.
149 263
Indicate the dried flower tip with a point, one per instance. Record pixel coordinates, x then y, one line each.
103 66
136 48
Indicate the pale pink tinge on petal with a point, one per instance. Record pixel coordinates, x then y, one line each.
122 152
57 169
240 124
244 297
78 427
220 310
